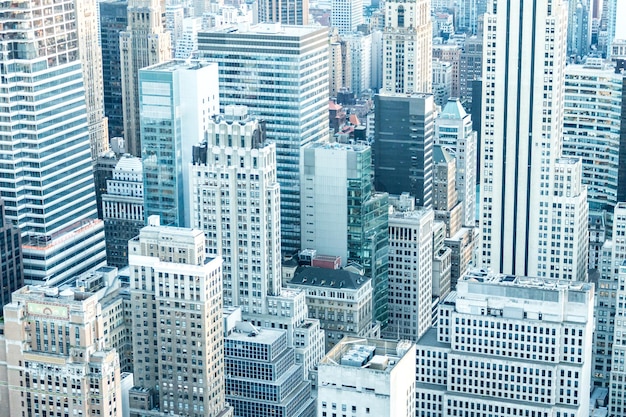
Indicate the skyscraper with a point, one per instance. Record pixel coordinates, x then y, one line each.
286 12
281 74
12 276
51 197
91 56
113 20
522 124
177 287
407 47
343 216
346 15
578 27
145 42
177 100
236 202
403 145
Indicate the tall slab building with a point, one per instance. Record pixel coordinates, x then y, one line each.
522 125
407 47
91 56
145 42
47 183
281 74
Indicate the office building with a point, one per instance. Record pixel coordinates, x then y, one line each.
442 81
403 145
340 299
236 202
445 198
442 263
496 330
453 130
178 369
123 209
113 20
102 172
91 57
12 277
450 53
177 100
342 215
471 65
346 15
286 12
144 43
469 12
262 376
410 273
174 16
356 51
617 400
578 28
519 186
594 135
407 47
52 201
368 377
281 74
53 358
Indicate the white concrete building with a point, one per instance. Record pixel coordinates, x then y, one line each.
410 273
523 74
617 385
367 377
178 335
407 47
346 15
357 62
453 130
508 345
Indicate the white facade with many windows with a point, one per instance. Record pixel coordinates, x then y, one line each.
508 346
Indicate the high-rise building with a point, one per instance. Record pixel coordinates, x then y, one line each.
471 65
522 124
342 215
91 56
407 47
51 198
578 27
177 100
12 277
450 53
496 330
281 74
403 145
144 43
368 377
286 12
617 387
178 331
453 130
410 273
263 379
123 209
356 51
113 20
61 365
346 15
236 202
469 11
594 135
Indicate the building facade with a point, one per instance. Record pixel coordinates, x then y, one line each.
44 121
368 377
342 215
177 287
410 273
10 258
123 209
407 47
496 330
403 145
518 176
144 43
288 89
346 15
287 12
177 100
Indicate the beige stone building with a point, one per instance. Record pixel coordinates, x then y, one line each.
178 335
53 359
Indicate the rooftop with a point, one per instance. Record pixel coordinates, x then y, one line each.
328 278
178 64
374 354
269 29
488 277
